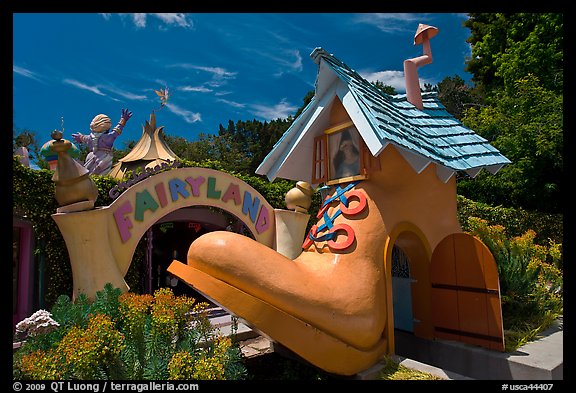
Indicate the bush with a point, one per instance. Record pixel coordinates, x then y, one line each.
127 336
517 221
531 282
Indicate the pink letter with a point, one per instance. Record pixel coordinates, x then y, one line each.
123 223
195 184
233 192
263 222
161 193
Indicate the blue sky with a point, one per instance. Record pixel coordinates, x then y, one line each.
217 66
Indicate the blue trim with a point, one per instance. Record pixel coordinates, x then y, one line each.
329 221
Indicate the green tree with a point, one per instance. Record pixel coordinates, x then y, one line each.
517 68
527 127
307 98
240 147
26 138
429 87
385 88
508 46
117 153
456 96
244 145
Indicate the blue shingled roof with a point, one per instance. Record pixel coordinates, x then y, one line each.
431 132
422 136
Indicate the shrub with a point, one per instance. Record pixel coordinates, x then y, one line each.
531 281
517 221
128 336
83 353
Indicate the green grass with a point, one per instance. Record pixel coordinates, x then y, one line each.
277 367
525 329
396 371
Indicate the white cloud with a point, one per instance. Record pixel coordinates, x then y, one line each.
285 59
297 63
25 73
139 20
231 103
175 19
391 78
80 85
97 89
390 22
199 89
219 75
188 116
126 94
279 111
292 59
168 19
217 72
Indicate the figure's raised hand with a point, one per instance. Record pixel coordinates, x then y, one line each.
126 114
77 137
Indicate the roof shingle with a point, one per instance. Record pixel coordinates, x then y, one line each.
431 132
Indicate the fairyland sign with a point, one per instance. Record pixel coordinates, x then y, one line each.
101 241
157 195
146 172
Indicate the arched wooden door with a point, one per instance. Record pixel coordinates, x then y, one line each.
466 292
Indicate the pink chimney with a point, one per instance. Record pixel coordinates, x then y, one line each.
423 35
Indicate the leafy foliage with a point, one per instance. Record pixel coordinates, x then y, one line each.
456 96
548 227
527 127
239 147
28 139
531 282
387 89
129 336
306 100
33 197
517 68
508 46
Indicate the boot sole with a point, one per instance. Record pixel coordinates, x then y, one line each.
313 345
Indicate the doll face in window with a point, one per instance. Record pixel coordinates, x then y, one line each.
349 150
345 155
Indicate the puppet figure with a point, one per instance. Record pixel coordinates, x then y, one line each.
101 140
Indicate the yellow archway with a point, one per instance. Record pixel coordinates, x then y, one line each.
102 241
413 242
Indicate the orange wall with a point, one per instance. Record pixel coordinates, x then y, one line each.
418 211
402 195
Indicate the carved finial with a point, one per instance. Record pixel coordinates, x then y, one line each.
56 135
299 198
